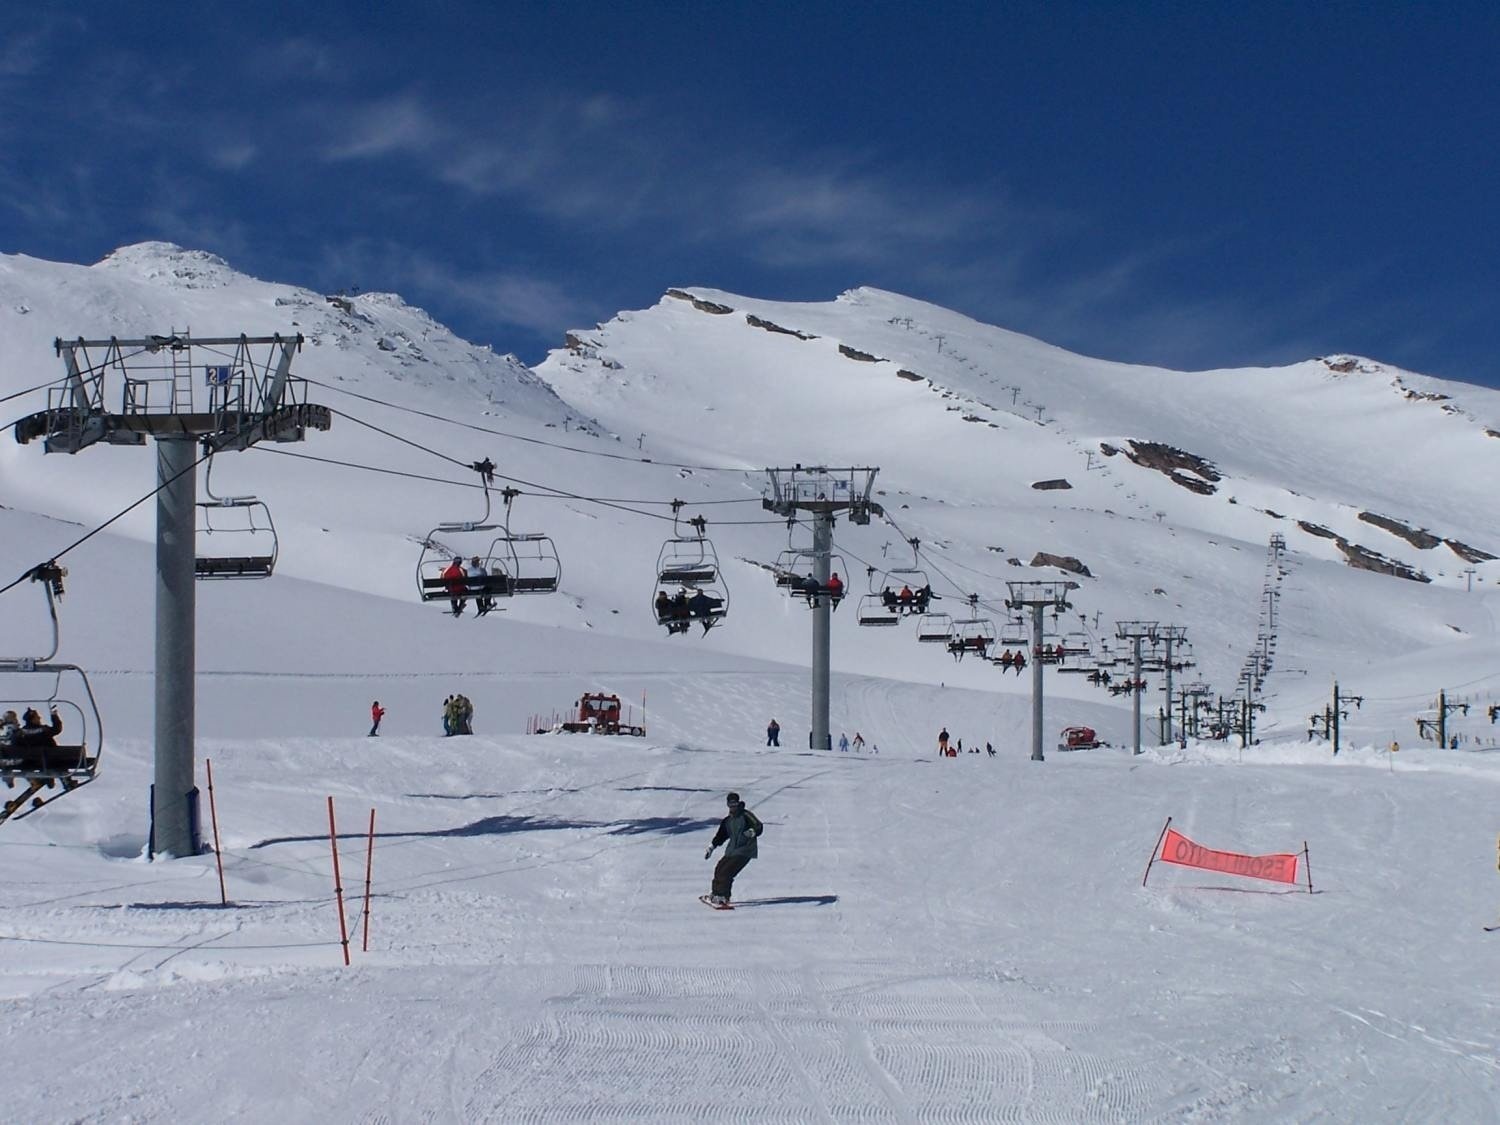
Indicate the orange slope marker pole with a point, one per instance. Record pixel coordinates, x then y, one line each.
364 945
213 813
1156 850
338 884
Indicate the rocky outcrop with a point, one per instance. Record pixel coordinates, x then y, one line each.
1316 529
1050 485
1468 553
855 353
699 303
1197 474
756 322
1061 562
1420 538
913 377
1362 558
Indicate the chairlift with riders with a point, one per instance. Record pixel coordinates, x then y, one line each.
30 756
692 565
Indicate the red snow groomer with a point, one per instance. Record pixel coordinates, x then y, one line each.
600 714
1079 738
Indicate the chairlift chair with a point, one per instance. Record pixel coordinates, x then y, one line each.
235 536
43 763
1015 633
687 560
934 628
878 608
911 577
460 540
692 565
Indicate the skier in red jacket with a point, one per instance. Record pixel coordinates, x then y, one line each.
377 712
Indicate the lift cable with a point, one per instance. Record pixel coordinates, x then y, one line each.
122 512
531 440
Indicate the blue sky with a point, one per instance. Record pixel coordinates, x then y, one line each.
1194 185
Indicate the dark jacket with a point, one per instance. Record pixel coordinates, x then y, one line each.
739 828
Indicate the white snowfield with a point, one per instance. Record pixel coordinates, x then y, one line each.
920 939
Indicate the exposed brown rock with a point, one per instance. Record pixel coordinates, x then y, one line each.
1192 472
756 322
1316 529
1062 562
1420 538
912 376
1050 485
855 353
1468 553
1362 558
711 307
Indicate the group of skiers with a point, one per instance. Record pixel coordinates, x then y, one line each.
28 729
810 589
908 600
1008 660
952 748
458 715
681 610
462 580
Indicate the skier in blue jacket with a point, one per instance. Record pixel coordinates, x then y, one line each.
739 830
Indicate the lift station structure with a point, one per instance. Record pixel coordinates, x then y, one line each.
821 493
224 393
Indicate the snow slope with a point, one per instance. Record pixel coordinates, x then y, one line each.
921 940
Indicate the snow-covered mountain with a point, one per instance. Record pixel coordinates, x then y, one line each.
1164 486
966 939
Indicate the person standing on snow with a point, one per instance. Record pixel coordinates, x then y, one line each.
859 741
773 733
943 743
843 742
377 712
739 831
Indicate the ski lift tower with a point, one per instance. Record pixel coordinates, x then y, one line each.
1135 632
822 493
227 393
1170 637
1037 596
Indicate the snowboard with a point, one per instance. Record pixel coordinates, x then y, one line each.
1492 929
704 899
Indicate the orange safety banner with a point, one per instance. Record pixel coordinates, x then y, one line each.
1177 848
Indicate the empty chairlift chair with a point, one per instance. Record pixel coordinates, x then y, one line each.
60 753
528 558
235 536
935 628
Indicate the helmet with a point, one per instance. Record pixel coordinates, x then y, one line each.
733 799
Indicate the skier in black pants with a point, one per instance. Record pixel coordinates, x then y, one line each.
739 830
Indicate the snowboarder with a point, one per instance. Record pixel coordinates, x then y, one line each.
773 733
33 733
377 712
836 589
739 831
943 743
476 579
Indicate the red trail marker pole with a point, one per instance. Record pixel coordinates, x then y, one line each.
338 884
213 814
364 946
